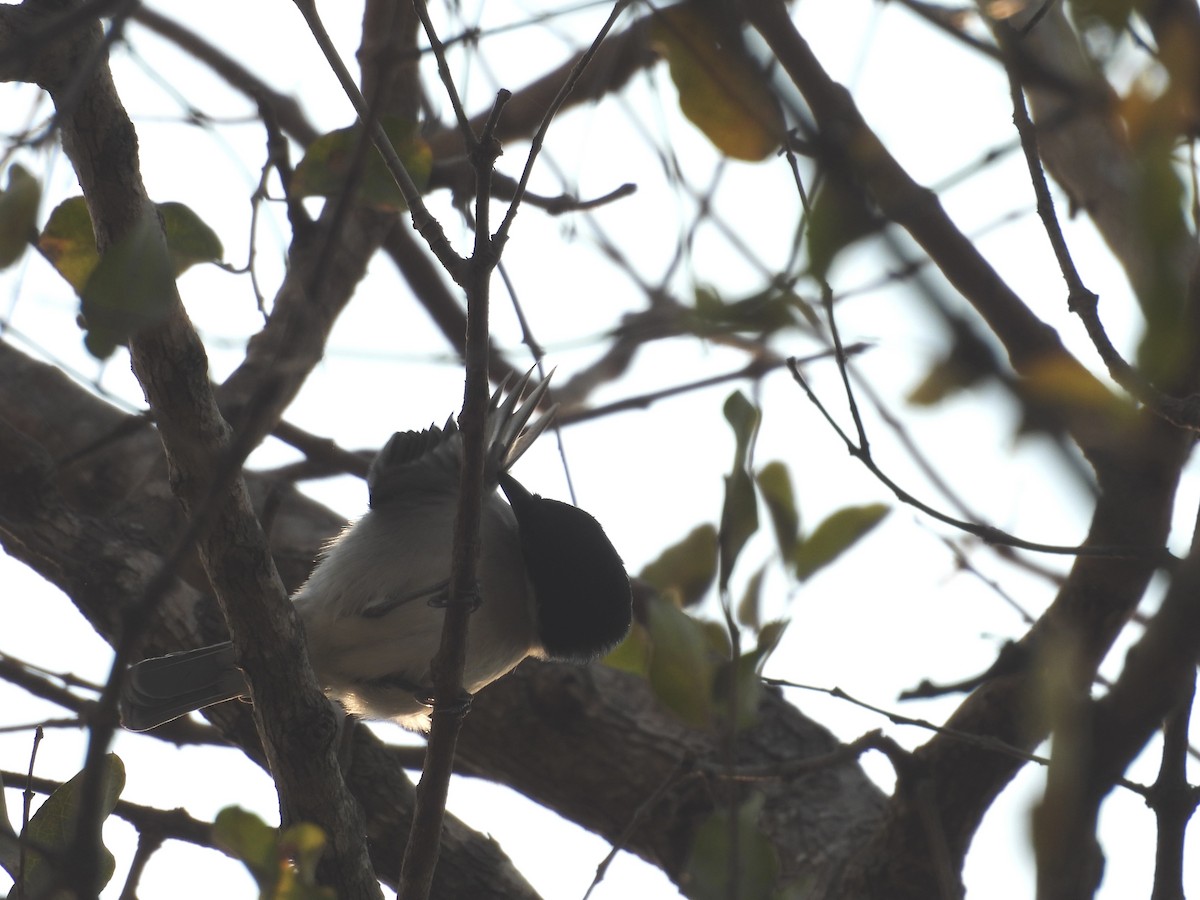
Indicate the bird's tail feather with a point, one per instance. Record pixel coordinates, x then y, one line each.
506 421
167 687
430 459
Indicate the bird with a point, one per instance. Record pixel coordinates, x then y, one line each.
550 584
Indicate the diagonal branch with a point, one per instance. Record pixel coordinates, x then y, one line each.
172 367
1158 677
102 561
855 153
449 663
592 743
1137 461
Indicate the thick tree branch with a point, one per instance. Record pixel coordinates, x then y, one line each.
172 367
1173 799
449 663
174 824
1108 734
617 60
1137 463
1085 148
590 743
103 561
855 154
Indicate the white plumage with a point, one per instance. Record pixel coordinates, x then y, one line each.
550 584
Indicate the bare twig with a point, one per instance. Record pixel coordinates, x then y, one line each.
555 105
849 145
669 783
148 844
1173 800
422 219
431 290
175 824
1080 300
447 666
26 804
982 742
286 111
795 768
987 533
170 363
443 68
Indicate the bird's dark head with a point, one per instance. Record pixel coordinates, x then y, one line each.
584 605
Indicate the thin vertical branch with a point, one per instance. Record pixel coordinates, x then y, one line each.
555 105
450 702
423 220
443 67
171 365
1173 801
26 805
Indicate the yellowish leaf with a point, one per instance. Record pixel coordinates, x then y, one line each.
18 214
67 241
331 159
722 90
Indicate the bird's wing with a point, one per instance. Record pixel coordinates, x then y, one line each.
415 461
429 460
386 603
167 687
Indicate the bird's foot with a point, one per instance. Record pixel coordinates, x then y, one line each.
473 598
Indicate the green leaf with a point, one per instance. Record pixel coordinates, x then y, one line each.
1055 382
739 514
718 638
18 214
130 289
68 243
685 571
250 839
189 239
330 160
836 535
736 692
739 520
133 286
632 655
283 866
748 611
769 637
711 872
738 686
1159 221
53 827
304 843
969 361
944 379
682 662
761 314
722 90
10 847
775 485
840 216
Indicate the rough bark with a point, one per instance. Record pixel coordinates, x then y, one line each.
591 744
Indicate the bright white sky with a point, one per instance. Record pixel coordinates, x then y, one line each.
648 476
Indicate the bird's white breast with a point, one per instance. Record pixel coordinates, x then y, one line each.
398 558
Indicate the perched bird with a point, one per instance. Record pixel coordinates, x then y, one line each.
550 584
